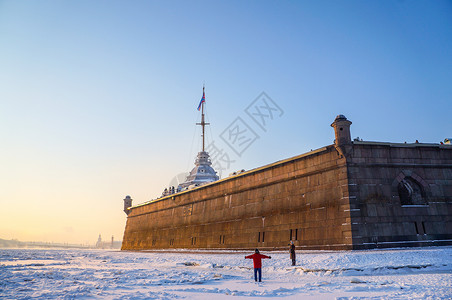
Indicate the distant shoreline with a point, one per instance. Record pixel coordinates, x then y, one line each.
16 244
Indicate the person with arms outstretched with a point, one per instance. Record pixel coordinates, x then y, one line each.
257 262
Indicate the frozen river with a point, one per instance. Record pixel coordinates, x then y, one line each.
424 273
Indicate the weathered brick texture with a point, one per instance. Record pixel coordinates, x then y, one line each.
304 198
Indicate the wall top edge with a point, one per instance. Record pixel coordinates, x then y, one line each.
249 172
404 145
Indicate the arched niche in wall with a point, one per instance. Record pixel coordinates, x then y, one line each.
410 188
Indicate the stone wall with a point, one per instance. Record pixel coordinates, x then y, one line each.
304 198
350 195
400 194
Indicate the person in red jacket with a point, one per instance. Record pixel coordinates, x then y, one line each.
257 262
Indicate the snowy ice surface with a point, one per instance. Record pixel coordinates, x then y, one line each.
417 273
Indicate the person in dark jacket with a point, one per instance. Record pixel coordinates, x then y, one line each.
292 253
257 262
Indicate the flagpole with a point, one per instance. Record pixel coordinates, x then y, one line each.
202 120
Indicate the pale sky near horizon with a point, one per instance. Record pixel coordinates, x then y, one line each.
98 98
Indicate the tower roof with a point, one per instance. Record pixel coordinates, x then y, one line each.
340 117
202 173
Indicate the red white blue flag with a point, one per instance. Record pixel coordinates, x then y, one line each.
203 99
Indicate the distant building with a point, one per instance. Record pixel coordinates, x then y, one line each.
99 243
108 245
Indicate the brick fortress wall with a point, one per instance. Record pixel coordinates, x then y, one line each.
350 195
303 198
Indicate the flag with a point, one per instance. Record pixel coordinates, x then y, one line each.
203 99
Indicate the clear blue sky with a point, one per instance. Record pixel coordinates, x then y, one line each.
98 98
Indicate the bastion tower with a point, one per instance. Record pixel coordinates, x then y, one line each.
342 131
127 204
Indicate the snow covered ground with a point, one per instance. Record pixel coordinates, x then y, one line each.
424 273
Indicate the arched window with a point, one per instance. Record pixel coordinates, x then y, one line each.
410 192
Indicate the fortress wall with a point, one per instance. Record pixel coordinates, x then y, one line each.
304 198
351 195
381 215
